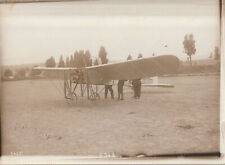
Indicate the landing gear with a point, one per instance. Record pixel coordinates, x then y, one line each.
93 95
70 88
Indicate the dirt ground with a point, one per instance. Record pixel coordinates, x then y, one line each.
36 120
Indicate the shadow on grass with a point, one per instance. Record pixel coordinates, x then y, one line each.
83 102
156 92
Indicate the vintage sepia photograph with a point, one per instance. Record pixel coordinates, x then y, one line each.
111 78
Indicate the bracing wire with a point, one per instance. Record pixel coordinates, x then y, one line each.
55 86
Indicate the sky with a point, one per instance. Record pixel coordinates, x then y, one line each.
32 32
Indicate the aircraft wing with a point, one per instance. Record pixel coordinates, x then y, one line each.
133 69
154 85
128 70
54 68
158 85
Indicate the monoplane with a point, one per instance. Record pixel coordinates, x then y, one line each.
90 77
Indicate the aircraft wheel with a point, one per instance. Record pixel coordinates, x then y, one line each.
74 97
94 96
97 96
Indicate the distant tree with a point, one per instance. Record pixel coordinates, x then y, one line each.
87 57
53 63
67 62
140 55
216 53
47 62
211 55
75 57
27 69
50 62
61 62
35 72
103 55
189 46
20 73
8 73
129 57
96 62
80 59
72 63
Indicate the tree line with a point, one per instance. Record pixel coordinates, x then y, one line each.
83 58
189 48
79 59
20 73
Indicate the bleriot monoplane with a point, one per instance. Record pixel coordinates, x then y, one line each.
90 77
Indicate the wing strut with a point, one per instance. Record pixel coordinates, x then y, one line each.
87 86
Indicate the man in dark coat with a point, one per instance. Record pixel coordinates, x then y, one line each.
137 88
108 87
137 84
120 89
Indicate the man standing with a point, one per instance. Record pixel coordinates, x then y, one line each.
134 87
137 84
108 87
120 89
103 56
138 88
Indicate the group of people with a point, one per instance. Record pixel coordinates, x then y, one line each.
136 84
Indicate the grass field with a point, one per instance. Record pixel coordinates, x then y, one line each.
36 120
